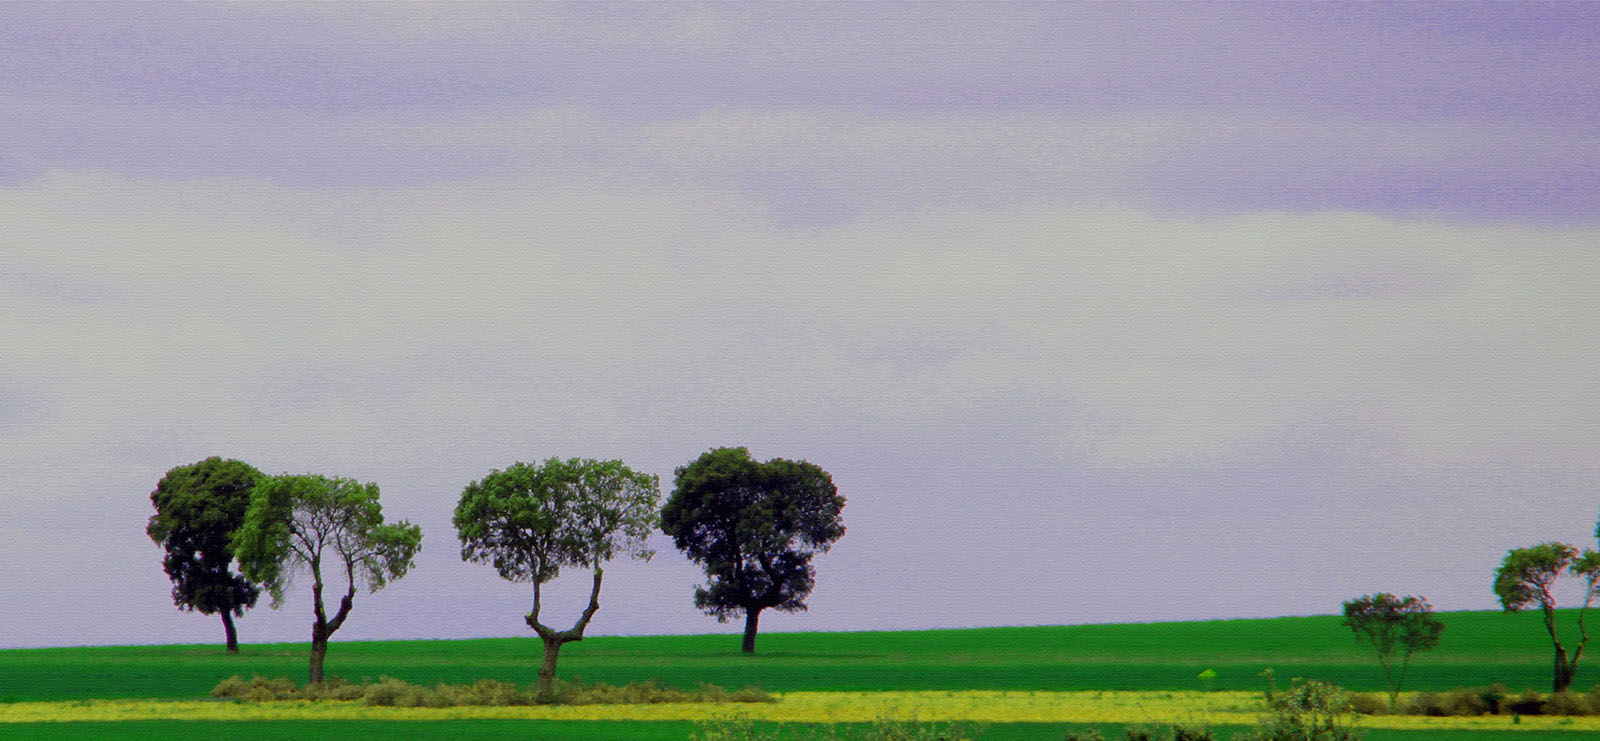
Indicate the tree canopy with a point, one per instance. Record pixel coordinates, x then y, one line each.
530 521
307 522
1527 577
754 527
1389 623
198 508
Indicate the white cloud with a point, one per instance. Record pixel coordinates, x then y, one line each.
970 367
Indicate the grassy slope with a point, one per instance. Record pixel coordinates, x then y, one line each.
1478 648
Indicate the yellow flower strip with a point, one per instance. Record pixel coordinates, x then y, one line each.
1212 708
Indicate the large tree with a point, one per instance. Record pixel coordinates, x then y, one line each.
1390 623
316 523
754 527
1527 576
529 521
198 507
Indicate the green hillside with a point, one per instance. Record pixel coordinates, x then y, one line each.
1477 648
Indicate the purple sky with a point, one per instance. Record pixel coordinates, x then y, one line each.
1096 312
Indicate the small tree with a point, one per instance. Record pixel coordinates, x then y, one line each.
529 521
313 522
1526 577
754 527
198 507
1388 623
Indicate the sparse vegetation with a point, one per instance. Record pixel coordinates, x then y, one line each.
391 692
886 728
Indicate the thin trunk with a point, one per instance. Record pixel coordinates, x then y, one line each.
319 651
547 669
1395 695
752 617
1563 670
233 635
553 638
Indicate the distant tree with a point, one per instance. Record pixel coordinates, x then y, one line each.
754 527
529 521
1526 577
313 522
198 507
1389 623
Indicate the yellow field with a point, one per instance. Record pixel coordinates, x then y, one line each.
1212 708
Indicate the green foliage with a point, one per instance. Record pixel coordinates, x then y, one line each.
1307 711
529 521
306 522
1389 623
198 508
754 527
1527 577
302 522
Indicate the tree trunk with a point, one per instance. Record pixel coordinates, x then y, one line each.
547 669
1564 670
319 651
752 617
233 635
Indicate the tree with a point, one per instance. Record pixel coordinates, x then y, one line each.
198 507
1526 577
316 522
1389 622
754 527
530 521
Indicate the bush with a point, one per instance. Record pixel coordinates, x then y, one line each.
1528 703
1568 703
1491 700
258 689
1366 703
391 692
332 688
1463 701
1089 735
1310 711
232 688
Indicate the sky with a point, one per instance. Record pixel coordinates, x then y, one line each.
1111 312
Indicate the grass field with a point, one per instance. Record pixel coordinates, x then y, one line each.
1162 658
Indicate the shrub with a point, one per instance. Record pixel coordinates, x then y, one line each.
332 688
1568 703
1310 711
391 692
1462 701
1089 735
233 688
1366 703
258 689
1527 703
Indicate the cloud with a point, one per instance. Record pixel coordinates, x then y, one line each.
1068 379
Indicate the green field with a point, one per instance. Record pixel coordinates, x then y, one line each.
1477 648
